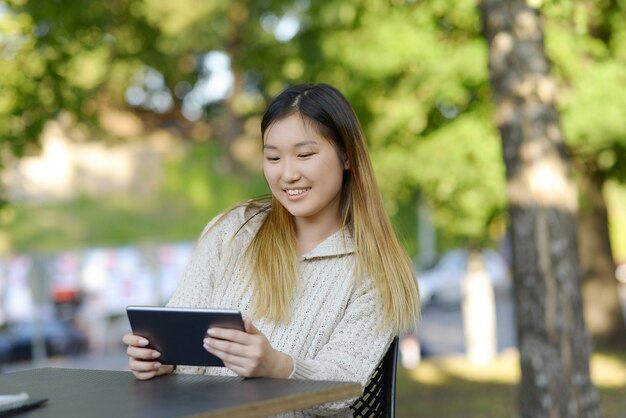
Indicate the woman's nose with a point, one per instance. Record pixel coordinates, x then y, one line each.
290 171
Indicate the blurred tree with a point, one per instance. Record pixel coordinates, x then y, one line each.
172 64
542 202
56 59
586 40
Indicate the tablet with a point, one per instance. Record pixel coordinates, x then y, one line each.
178 333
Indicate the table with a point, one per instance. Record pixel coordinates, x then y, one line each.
106 394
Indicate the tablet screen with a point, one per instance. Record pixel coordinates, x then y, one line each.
178 333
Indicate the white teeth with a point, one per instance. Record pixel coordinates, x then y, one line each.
295 192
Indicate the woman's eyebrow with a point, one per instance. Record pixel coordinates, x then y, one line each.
297 145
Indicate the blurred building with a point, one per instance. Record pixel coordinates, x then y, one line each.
69 165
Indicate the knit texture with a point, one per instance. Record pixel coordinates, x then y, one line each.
335 331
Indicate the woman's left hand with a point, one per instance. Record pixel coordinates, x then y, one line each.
249 353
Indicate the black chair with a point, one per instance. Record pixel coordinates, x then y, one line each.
379 396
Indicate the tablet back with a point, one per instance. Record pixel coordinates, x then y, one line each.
178 333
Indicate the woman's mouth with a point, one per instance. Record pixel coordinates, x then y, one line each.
295 192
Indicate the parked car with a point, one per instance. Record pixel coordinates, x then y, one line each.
5 349
61 338
443 282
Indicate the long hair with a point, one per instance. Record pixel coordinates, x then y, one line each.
379 255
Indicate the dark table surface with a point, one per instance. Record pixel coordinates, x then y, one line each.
117 394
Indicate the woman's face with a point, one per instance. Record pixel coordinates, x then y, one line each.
303 170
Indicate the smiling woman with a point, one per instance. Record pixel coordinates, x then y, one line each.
316 266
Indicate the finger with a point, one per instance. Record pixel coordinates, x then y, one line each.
144 375
239 370
247 346
132 339
228 334
249 327
223 346
166 369
240 365
142 353
143 366
227 354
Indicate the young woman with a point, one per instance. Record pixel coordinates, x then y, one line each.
316 269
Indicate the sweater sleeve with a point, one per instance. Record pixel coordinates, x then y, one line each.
356 347
196 284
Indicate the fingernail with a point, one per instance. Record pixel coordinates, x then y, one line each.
155 354
143 341
206 341
206 347
210 331
157 365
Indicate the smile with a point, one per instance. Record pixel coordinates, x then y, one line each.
295 192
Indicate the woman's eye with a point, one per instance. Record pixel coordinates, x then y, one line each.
306 154
268 158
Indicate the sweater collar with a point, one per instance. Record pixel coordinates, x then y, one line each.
339 243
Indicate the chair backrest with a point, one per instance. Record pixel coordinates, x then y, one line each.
379 396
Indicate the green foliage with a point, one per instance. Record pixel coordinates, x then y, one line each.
20 68
416 73
593 119
586 43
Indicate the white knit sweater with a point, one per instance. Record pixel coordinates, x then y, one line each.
334 333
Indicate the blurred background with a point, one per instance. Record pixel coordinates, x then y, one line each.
126 125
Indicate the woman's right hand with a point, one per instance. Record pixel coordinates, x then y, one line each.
143 361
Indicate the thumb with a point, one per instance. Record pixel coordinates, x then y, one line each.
249 327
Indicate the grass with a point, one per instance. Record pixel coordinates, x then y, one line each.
451 387
81 224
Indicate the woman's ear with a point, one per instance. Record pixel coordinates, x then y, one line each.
346 163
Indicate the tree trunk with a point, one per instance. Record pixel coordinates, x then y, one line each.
542 201
603 310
